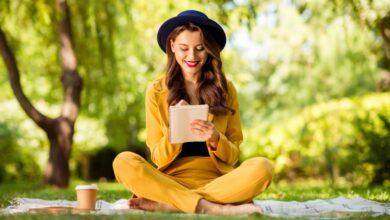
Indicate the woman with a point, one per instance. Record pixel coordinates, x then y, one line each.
196 176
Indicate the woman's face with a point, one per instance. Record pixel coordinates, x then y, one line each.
189 51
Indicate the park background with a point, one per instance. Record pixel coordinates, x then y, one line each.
313 79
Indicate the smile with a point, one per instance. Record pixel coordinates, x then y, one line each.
191 63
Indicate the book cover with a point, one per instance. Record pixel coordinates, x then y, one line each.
180 118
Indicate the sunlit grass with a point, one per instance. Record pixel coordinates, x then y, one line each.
308 190
111 191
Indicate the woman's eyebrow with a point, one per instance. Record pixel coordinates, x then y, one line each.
181 44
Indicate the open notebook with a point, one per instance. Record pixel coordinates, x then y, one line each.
180 118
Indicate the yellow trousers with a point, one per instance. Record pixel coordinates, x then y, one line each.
189 179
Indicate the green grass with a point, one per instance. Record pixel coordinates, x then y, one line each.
298 191
8 191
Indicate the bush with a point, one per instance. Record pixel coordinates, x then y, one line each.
346 139
373 142
15 162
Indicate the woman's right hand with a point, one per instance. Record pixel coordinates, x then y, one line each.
182 102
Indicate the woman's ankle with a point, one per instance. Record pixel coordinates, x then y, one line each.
208 207
205 206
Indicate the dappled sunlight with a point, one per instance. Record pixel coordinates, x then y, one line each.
310 77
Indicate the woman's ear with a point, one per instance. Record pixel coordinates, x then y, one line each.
171 41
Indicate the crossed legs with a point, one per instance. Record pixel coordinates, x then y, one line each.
159 192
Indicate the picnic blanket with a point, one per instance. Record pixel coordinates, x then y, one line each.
320 208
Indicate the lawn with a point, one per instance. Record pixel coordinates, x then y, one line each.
299 191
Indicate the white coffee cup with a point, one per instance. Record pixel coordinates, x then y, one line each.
86 196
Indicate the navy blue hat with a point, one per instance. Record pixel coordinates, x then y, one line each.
195 17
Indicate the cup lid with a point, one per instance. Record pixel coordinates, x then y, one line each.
91 186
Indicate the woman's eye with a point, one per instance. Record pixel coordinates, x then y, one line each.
197 49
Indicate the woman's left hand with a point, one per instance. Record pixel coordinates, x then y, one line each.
206 130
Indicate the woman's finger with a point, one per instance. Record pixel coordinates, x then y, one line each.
200 133
200 126
182 102
205 124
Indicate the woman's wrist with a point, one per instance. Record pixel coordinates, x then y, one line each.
213 142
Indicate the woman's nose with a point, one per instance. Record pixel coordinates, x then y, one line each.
192 54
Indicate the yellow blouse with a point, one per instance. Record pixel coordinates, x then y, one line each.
164 153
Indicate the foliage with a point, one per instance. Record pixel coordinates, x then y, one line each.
373 142
345 138
288 60
309 52
17 162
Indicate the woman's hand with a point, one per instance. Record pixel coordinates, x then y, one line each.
207 131
203 129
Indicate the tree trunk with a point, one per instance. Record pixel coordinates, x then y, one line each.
60 136
384 27
61 129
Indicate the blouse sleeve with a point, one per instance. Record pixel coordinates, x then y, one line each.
162 152
228 145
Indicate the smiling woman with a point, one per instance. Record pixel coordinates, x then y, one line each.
189 51
195 176
194 59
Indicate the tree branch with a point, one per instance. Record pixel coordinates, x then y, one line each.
14 76
385 32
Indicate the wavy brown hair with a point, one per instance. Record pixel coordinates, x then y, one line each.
212 85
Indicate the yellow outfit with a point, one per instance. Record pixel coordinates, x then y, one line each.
182 182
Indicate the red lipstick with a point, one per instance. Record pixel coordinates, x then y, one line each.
191 64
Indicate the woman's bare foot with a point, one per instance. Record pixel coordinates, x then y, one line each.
205 206
149 205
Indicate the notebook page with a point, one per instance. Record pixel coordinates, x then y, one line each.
180 118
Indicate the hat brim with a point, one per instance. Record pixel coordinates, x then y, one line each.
168 26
